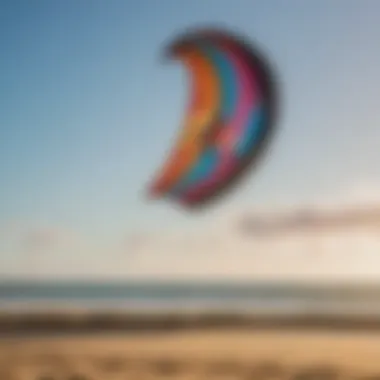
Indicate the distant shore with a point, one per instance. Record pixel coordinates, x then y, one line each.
140 321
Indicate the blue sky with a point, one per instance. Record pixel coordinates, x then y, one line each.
88 107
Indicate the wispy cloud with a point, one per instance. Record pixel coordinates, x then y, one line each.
222 250
49 238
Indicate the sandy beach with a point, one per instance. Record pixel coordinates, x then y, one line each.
224 354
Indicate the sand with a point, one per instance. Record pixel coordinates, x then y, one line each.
224 354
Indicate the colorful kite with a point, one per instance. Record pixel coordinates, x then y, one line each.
229 121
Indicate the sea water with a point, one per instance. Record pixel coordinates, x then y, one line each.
187 297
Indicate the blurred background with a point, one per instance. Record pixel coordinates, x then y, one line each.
280 277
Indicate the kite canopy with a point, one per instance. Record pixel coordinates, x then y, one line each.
229 120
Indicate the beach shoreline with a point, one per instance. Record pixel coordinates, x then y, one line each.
81 343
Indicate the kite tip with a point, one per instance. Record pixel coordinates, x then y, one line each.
153 192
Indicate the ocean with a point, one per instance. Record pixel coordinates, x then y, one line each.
187 297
